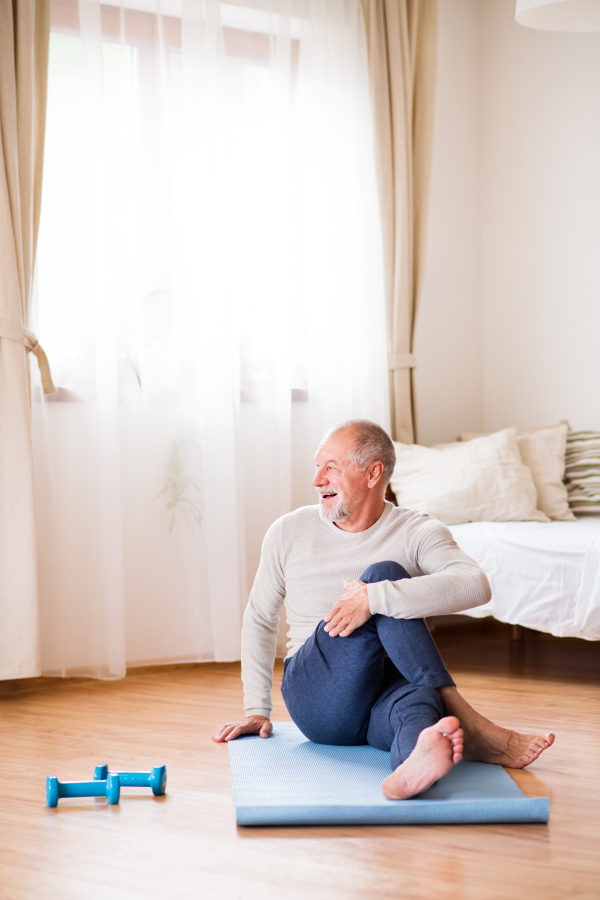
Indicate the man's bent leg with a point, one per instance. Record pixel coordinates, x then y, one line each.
409 708
483 740
331 684
407 642
416 656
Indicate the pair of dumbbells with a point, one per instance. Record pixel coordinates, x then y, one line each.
106 784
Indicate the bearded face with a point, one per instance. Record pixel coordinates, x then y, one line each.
341 485
332 506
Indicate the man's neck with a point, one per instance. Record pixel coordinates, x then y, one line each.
364 517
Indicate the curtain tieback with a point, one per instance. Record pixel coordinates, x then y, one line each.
15 332
402 361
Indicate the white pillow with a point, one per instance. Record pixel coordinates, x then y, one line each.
543 452
470 435
483 480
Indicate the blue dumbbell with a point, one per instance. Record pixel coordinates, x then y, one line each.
156 779
109 787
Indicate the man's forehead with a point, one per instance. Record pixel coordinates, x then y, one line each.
335 448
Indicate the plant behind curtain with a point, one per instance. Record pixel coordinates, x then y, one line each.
209 291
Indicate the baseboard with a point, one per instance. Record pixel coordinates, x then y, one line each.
24 685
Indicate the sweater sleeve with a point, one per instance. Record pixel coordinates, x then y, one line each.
450 582
261 624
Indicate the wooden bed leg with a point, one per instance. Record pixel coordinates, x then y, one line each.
517 633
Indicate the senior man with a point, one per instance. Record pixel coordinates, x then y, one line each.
362 667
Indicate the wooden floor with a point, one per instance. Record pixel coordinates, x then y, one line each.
186 844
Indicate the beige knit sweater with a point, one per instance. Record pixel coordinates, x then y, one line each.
304 562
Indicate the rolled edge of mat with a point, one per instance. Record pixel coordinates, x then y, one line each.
404 812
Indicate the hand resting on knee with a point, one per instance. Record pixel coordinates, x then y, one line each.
350 612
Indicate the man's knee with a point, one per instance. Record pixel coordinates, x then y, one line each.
384 571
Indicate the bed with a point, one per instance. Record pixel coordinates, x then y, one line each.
544 576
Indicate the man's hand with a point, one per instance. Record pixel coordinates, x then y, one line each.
350 612
250 725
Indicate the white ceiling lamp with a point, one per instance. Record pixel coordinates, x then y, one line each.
559 15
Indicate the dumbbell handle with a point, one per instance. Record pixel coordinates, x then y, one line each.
156 779
131 779
109 787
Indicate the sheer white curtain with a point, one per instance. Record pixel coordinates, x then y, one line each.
209 291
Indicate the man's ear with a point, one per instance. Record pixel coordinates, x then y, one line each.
375 474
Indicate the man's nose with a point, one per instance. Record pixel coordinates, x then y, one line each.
319 478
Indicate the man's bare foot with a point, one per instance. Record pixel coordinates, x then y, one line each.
486 742
438 748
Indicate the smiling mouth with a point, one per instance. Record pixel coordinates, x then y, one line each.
328 496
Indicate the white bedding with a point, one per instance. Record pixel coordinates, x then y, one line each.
543 575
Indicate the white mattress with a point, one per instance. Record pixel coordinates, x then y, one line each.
543 575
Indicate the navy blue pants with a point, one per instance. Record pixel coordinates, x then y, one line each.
377 686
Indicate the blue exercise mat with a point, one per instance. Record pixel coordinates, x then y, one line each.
288 780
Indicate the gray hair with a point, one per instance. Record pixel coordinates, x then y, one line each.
371 443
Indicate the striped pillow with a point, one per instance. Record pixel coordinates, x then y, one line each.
582 472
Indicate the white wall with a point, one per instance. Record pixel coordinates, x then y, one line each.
448 334
541 223
509 325
449 388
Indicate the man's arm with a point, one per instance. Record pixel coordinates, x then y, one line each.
451 580
259 642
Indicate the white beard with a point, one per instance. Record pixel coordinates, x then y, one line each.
334 512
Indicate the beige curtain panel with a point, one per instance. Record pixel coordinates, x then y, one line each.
24 40
401 38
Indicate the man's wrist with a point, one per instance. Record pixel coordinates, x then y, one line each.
258 712
376 595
